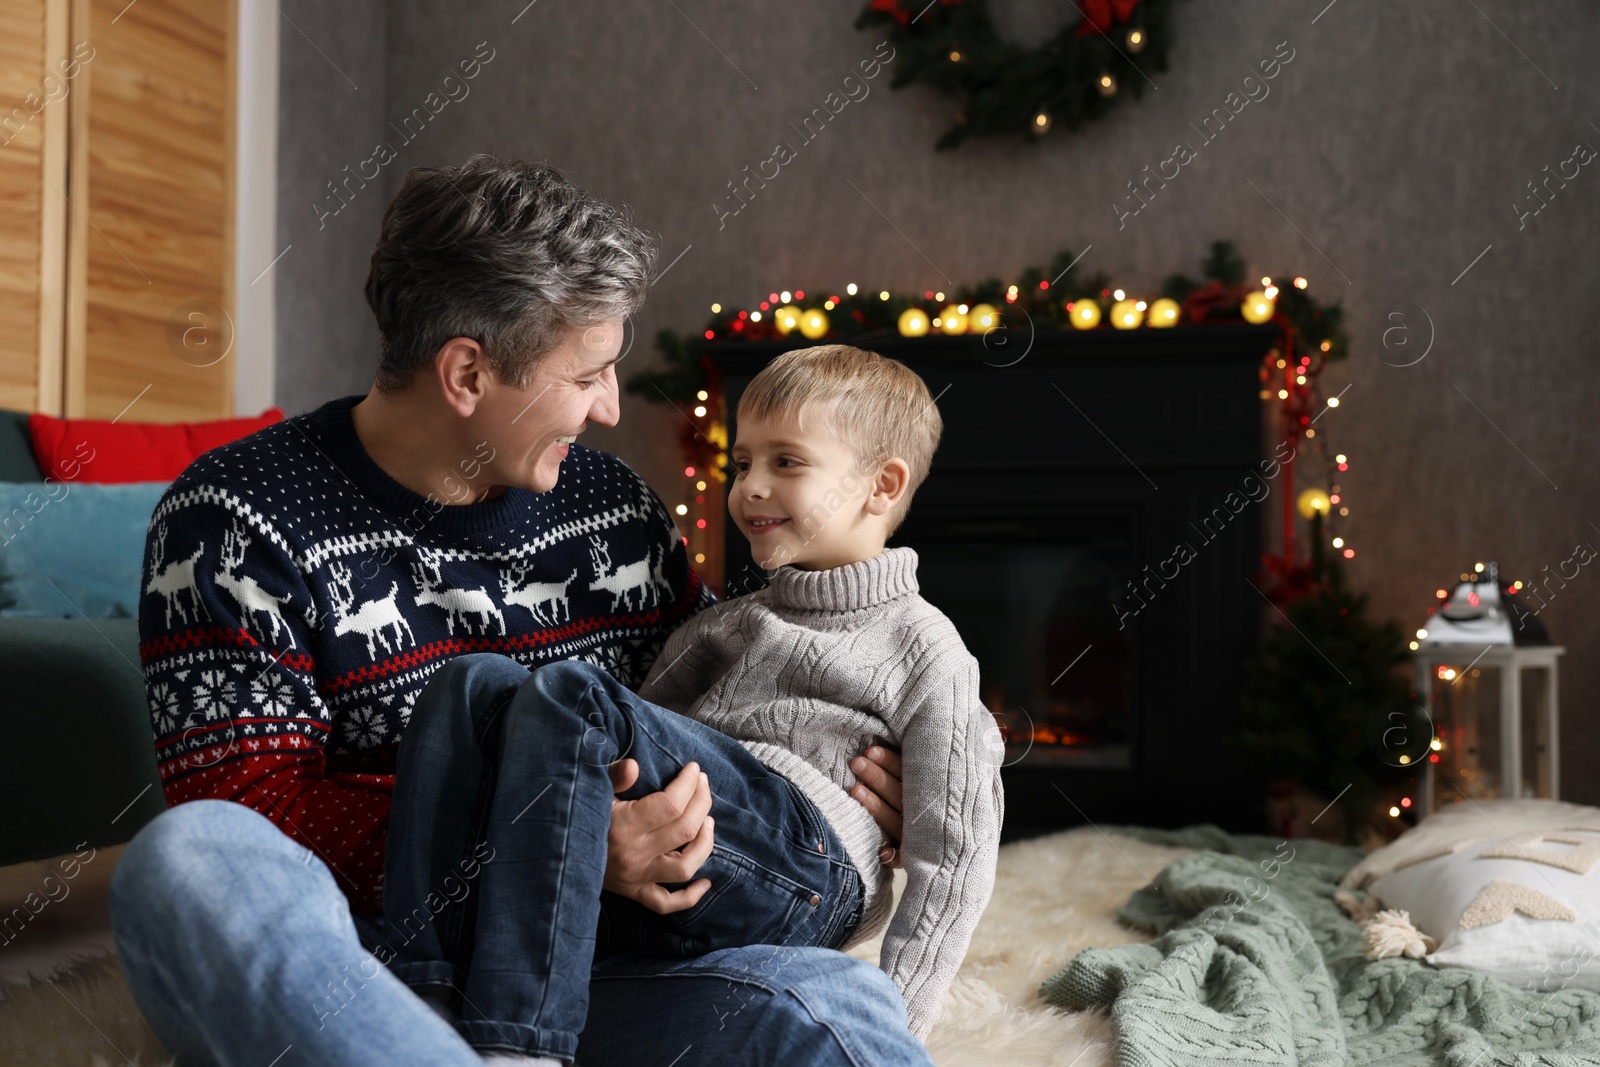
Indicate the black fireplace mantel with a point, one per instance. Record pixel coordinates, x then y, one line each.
1145 432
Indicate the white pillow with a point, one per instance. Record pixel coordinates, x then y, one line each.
1503 890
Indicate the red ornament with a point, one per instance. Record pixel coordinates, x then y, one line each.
1099 16
904 15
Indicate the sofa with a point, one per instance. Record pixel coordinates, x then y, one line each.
77 763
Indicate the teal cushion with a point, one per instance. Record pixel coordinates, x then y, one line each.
71 549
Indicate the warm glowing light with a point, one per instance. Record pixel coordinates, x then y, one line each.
851 288
814 323
1340 458
952 321
1405 802
700 485
1300 379
1326 346
785 296
1333 401
1283 394
827 305
702 395
699 411
961 308
955 57
1271 291
1395 811
1436 744
1516 585
1414 646
755 316
1163 312
1257 307
1085 314
1449 674
1125 314
1299 283
1349 553
1478 567
984 317
715 308
1422 635
1265 282
913 322
786 318
1119 295
682 509
884 295
1338 542
1312 502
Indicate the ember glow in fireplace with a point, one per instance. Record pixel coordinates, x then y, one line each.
1030 598
1045 531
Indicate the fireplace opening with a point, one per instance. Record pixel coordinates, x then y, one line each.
1031 598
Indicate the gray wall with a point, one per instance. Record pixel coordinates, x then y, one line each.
1391 148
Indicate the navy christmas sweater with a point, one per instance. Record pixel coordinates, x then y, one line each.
296 598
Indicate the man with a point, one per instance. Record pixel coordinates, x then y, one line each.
302 585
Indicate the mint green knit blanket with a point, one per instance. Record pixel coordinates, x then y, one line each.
1254 963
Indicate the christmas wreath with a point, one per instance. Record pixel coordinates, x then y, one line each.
1077 75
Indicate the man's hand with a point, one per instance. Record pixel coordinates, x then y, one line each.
880 793
663 837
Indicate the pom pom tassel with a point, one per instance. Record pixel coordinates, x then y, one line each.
1391 933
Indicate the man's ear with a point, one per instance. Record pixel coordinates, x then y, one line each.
463 373
888 486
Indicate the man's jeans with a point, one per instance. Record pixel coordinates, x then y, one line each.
497 848
240 949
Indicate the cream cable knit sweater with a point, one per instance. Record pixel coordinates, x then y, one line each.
806 673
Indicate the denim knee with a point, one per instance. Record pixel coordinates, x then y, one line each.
150 877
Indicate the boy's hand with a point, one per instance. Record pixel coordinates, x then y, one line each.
663 837
880 793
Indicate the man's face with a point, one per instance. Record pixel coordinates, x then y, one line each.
576 384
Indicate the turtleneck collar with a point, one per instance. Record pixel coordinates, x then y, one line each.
863 584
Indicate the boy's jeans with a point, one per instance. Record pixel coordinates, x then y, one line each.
503 775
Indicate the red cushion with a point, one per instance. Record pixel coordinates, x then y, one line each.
99 450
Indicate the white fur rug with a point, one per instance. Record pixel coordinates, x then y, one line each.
1054 896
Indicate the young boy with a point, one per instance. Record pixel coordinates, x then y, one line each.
770 694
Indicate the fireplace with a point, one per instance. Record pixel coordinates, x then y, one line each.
1049 532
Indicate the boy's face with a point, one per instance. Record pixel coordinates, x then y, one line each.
809 483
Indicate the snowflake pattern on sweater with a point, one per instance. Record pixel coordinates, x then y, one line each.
296 599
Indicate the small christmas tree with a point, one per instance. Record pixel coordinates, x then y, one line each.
1324 704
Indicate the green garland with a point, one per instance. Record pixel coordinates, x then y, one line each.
1004 88
866 313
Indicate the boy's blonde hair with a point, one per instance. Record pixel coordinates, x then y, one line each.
878 407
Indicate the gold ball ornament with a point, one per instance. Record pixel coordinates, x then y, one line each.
786 318
1312 502
952 320
1257 307
1125 314
1163 313
983 318
1085 314
814 323
913 322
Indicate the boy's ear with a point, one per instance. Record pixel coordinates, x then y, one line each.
888 486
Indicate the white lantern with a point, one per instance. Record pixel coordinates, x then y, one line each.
1475 679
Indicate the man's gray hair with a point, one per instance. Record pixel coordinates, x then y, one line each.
510 254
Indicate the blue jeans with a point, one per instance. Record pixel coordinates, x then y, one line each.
497 848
